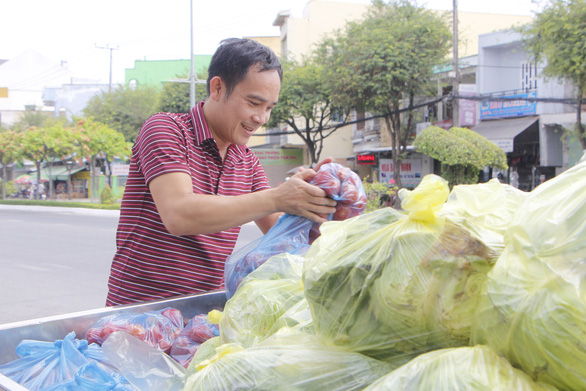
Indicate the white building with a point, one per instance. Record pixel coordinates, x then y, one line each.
530 132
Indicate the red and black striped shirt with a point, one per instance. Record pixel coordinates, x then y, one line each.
150 263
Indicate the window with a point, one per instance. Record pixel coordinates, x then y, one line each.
528 76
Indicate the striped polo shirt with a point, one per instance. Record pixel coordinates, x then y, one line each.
150 263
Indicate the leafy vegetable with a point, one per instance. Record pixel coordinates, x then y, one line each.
486 209
262 298
477 368
287 362
393 283
534 307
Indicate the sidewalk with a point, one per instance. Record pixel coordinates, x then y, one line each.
59 209
65 209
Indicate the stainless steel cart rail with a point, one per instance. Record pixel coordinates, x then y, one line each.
57 327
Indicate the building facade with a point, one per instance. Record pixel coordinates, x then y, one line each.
530 132
365 146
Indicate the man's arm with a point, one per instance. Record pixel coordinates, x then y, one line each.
186 213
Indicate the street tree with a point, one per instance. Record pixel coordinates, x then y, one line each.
557 37
175 96
34 149
305 105
10 147
36 118
55 137
100 141
382 63
124 109
461 152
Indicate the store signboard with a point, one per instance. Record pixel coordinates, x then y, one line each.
492 109
279 156
120 169
366 160
467 107
411 171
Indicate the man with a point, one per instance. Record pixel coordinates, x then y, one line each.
193 183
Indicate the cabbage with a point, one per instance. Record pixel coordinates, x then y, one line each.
534 308
477 368
394 283
261 299
287 362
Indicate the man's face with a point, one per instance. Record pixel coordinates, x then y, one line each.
247 107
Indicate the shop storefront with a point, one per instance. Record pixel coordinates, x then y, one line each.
378 164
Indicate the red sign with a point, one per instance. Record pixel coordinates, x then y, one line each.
369 160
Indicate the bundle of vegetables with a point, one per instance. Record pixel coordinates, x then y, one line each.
477 368
262 298
157 328
533 310
286 362
486 209
390 283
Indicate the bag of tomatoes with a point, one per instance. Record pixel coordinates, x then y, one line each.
157 328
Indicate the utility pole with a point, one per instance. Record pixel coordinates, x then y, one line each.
191 73
456 66
111 49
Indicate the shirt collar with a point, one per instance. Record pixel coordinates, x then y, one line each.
202 133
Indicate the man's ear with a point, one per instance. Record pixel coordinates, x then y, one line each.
217 87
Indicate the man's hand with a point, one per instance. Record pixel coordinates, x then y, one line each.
296 196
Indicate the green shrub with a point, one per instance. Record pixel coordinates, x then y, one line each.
107 195
375 191
10 188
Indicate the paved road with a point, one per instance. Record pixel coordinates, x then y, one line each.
56 261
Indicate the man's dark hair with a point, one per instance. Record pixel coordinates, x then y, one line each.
235 56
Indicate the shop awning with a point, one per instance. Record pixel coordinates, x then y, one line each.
60 173
502 132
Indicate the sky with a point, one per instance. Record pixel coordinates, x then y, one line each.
84 33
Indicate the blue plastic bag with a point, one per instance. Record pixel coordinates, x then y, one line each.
289 235
46 365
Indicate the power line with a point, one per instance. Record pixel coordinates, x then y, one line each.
450 97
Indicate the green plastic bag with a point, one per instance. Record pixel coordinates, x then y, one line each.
477 368
292 361
261 299
534 307
486 209
393 283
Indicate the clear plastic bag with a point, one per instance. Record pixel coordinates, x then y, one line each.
263 297
145 367
392 283
197 331
533 309
343 185
60 364
486 209
294 361
477 368
158 328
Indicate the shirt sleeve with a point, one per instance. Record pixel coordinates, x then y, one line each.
161 147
